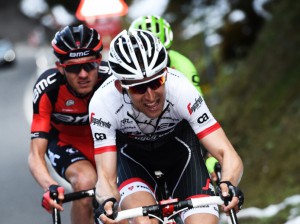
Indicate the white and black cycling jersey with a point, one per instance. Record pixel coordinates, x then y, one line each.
110 110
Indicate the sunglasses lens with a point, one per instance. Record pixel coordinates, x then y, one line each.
139 89
89 66
155 84
73 68
76 68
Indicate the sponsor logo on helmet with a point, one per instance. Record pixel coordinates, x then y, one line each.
80 54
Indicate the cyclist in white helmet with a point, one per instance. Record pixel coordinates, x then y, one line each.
162 29
142 122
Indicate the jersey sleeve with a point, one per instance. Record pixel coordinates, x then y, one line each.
186 67
42 110
102 123
194 109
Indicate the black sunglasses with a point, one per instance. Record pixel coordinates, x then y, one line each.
76 67
142 88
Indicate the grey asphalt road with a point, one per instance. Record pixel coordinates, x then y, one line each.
20 195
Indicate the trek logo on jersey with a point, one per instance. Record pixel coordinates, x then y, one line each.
100 136
165 126
70 119
195 106
125 121
41 86
204 117
99 122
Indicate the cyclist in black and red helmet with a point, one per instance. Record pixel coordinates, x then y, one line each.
60 125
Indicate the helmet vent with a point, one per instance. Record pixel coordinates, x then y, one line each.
138 54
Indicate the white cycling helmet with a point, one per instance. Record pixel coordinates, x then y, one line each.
136 55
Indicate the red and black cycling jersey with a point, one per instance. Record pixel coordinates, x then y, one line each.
58 113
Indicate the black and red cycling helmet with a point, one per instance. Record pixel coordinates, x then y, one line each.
76 42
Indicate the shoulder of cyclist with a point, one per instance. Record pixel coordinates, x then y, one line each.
181 62
104 71
48 80
185 66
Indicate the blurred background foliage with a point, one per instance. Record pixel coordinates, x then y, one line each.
258 105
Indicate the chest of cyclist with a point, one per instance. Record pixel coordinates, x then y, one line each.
69 109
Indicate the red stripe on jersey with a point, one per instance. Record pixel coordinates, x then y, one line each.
209 130
132 180
110 148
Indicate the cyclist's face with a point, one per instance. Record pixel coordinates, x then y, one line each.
151 103
85 78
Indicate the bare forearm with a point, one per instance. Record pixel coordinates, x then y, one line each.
37 163
106 189
106 186
39 171
232 168
220 147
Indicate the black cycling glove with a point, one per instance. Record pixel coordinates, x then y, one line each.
233 192
100 210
